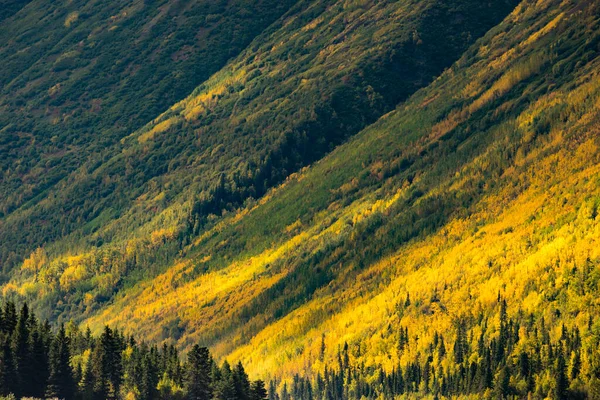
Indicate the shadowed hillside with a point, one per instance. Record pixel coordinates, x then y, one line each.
313 79
78 76
442 241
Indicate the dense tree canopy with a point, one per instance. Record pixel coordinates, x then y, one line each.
70 364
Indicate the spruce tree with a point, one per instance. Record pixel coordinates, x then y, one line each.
20 348
272 392
40 371
87 383
100 377
8 373
9 321
198 378
574 365
60 383
224 389
502 385
111 361
258 391
150 377
241 382
561 382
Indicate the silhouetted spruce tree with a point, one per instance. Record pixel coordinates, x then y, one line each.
111 368
574 365
258 391
285 395
87 383
40 369
9 320
322 348
60 383
224 389
100 377
150 377
198 383
442 348
8 372
241 382
20 348
272 391
460 344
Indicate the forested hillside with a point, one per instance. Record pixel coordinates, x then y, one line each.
432 237
78 76
10 7
310 81
482 187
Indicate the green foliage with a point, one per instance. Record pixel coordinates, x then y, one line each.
279 106
10 7
77 77
483 183
111 366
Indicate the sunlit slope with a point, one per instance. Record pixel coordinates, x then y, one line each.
309 82
483 184
78 76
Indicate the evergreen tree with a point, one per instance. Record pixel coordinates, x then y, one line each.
198 379
111 361
39 370
241 382
561 382
99 372
272 392
9 320
150 377
574 365
502 385
60 383
258 391
20 349
87 382
8 373
460 344
225 388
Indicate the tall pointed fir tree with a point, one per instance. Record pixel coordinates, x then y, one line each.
40 372
198 379
224 389
20 348
241 382
60 383
87 383
258 391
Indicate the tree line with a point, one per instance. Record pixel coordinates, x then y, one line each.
518 361
37 361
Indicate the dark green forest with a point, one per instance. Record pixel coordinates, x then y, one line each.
66 363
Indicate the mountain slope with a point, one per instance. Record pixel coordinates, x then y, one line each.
78 76
484 185
314 78
8 8
481 190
